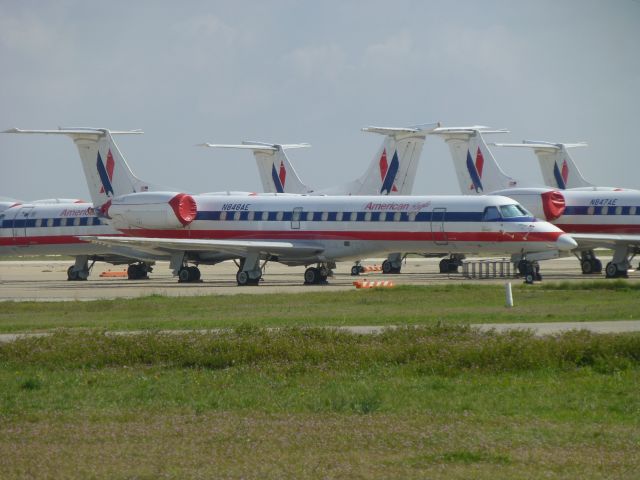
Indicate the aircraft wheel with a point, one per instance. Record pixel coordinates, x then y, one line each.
242 278
611 271
528 278
72 274
445 265
194 274
311 276
136 272
184 276
132 272
355 270
387 267
597 266
522 267
587 267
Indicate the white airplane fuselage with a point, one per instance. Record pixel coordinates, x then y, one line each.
45 229
339 227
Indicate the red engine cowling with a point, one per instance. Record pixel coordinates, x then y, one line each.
164 210
553 205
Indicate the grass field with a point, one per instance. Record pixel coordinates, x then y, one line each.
412 305
438 400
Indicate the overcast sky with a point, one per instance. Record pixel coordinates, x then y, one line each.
293 71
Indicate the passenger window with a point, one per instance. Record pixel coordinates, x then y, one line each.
632 211
250 216
279 216
339 217
618 210
325 216
605 210
591 210
412 216
491 214
223 215
367 217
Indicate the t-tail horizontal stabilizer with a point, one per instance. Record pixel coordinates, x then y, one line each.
557 167
107 173
477 170
276 171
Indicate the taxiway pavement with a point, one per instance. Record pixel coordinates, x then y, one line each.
45 280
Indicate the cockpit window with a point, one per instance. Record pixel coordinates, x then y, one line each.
510 211
491 214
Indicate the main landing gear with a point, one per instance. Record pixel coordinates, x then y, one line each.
249 271
80 270
139 271
317 275
451 264
393 263
590 263
188 274
621 262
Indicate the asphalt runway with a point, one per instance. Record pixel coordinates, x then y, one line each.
45 280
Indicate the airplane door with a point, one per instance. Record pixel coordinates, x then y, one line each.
20 226
437 226
295 218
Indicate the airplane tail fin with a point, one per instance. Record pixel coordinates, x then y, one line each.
477 170
557 167
107 172
393 169
276 171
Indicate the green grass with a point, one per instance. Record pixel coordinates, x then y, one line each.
436 402
412 305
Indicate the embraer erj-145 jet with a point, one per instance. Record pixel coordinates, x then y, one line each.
391 172
595 218
34 228
54 227
297 229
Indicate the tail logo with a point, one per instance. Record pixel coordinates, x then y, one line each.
388 173
561 175
279 177
475 170
106 173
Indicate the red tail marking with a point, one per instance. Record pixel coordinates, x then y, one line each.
565 171
479 162
384 166
282 174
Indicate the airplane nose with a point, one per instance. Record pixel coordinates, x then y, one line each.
565 242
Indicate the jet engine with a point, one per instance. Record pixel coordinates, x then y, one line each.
165 210
543 203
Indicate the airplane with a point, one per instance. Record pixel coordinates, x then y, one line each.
296 229
558 168
392 171
595 218
53 227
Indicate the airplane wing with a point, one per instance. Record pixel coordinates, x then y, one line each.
604 240
240 248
